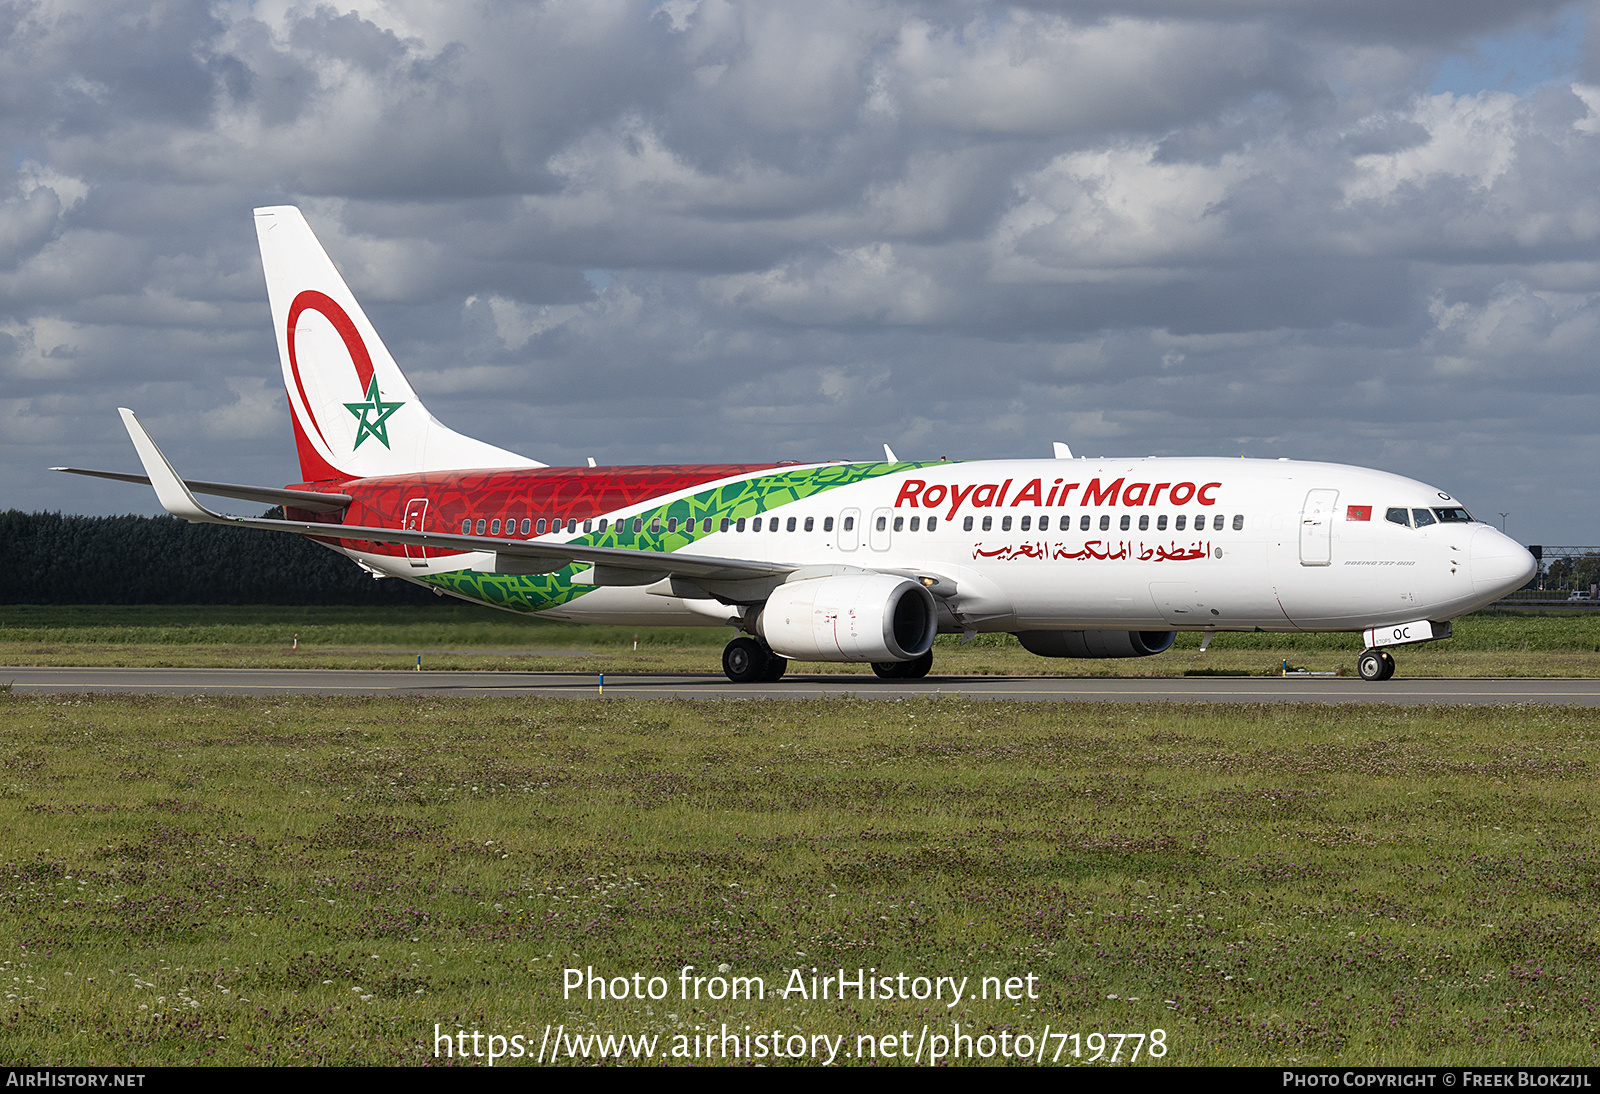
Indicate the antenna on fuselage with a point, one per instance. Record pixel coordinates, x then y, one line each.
592 463
1062 451
888 454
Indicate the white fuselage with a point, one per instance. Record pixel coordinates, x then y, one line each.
1146 544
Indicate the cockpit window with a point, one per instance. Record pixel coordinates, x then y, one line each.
1422 517
1453 516
1398 516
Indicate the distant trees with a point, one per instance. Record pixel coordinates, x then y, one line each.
56 559
1573 572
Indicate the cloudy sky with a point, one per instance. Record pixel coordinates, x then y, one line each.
1365 231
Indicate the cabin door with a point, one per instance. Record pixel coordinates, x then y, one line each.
1316 528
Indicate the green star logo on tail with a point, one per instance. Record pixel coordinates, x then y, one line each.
372 416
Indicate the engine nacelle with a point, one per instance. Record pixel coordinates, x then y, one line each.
849 617
1096 643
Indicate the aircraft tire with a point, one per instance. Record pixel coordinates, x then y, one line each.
776 667
888 670
1375 665
916 668
745 661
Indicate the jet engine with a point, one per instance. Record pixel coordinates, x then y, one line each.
1096 643
849 617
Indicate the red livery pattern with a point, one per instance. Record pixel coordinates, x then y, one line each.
551 493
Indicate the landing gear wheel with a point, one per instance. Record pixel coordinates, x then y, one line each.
745 661
1375 665
776 667
914 669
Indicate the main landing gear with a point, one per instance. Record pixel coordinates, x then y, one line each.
1375 664
747 661
915 669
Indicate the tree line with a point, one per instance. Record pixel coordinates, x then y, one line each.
56 559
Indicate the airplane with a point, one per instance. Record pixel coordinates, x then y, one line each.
838 561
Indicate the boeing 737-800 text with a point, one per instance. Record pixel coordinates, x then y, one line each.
861 562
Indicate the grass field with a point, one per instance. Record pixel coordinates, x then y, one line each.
454 636
326 881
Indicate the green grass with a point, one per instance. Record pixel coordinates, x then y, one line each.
451 635
323 881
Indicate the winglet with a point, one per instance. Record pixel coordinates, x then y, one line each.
174 496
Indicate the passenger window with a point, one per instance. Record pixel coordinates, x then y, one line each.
916 523
849 524
1105 524
1199 522
1161 523
466 527
1005 524
1044 523
933 522
791 524
1178 525
655 526
966 525
588 526
540 526
899 524
482 526
740 526
827 524
1238 522
1144 522
525 526
988 523
883 522
1126 521
755 525
1422 517
602 524
1083 523
811 523
1216 522
672 524
494 527
638 525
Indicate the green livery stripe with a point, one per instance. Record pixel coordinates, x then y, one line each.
744 498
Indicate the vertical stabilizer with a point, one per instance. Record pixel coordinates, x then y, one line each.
355 416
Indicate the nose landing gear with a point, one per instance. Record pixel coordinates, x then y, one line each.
1375 664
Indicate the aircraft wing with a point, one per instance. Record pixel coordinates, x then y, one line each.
177 498
312 500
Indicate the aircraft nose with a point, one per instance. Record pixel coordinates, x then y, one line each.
1499 564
